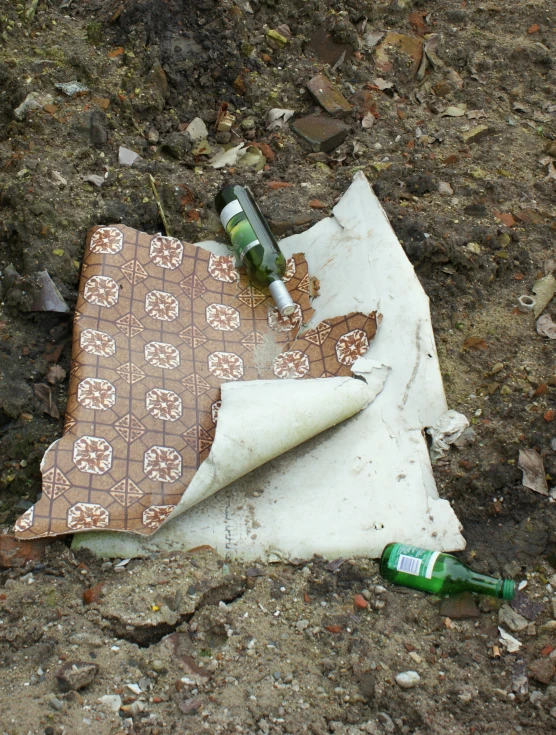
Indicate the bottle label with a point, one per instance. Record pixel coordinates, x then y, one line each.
413 560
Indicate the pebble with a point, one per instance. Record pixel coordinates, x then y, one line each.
76 675
407 679
536 696
509 618
197 129
56 703
444 189
276 675
111 701
386 721
542 670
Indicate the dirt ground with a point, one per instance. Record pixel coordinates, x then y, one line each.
191 643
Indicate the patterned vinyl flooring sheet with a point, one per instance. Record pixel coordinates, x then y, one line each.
159 326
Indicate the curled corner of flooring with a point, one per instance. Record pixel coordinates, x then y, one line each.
261 419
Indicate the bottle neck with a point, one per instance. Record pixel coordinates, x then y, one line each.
482 584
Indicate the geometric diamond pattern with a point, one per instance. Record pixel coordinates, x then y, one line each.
126 492
129 325
129 428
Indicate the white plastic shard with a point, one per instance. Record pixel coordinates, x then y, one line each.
368 481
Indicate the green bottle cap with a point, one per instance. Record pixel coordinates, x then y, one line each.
508 589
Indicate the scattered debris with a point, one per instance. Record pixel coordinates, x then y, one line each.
15 553
55 374
44 393
368 121
72 89
228 157
126 156
94 179
544 289
526 303
50 298
197 129
546 327
444 189
409 45
326 49
76 675
459 607
475 134
278 117
445 431
455 110
224 119
512 644
328 96
321 132
534 476
33 101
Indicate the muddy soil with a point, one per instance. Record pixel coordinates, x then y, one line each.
460 157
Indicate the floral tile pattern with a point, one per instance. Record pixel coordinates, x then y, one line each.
159 325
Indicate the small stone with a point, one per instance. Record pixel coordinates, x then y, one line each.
444 189
76 675
459 607
57 178
321 132
360 601
505 390
509 618
492 388
56 703
366 594
94 179
197 129
328 96
407 679
379 589
276 675
386 721
496 368
542 670
527 607
475 134
248 123
553 712
153 136
302 624
112 702
536 697
126 156
93 594
441 89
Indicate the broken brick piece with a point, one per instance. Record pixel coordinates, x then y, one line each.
321 132
326 49
360 601
14 553
328 96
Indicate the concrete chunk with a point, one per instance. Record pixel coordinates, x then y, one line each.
321 132
329 96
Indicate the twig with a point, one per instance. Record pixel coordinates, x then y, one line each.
159 204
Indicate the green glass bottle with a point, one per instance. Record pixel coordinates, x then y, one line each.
254 243
441 574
